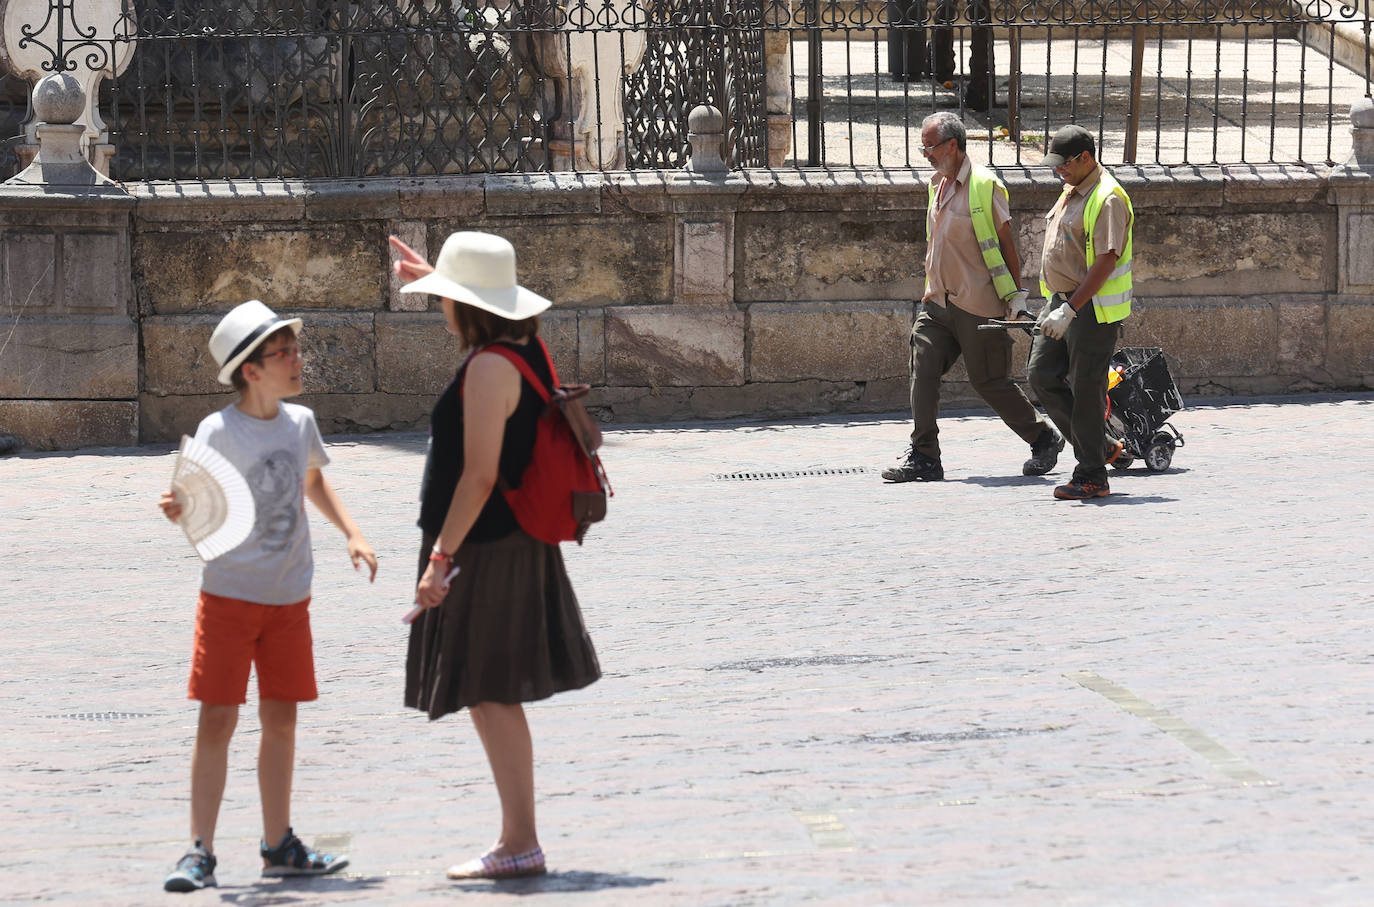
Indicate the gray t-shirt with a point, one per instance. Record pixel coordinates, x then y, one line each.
273 566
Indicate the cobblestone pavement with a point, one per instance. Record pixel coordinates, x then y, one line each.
818 687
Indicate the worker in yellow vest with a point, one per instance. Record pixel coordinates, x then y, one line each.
973 275
1085 274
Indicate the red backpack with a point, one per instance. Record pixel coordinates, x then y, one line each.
564 488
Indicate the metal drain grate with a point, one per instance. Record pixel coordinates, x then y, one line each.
100 716
788 474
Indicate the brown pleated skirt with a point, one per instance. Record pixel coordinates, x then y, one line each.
509 630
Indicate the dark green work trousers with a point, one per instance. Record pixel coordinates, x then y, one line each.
941 335
1069 377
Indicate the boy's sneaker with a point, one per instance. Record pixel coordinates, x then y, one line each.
1082 489
196 870
292 858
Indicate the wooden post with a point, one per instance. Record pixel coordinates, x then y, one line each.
1133 115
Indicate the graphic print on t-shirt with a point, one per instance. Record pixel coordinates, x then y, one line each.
274 480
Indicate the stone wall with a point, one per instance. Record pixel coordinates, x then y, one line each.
763 294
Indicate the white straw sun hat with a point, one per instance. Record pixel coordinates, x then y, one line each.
242 331
479 269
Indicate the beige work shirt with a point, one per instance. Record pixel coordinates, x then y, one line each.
954 265
1064 261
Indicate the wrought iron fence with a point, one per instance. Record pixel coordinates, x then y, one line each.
695 53
1158 81
325 88
274 88
410 87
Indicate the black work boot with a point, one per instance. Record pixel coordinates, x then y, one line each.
1044 452
917 467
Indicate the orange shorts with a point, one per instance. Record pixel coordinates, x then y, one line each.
232 634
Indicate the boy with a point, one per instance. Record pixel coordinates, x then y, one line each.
254 599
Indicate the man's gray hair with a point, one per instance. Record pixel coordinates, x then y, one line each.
948 126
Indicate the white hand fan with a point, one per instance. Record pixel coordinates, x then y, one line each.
217 510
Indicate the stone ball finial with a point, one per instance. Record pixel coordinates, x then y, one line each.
705 120
705 135
1362 113
58 99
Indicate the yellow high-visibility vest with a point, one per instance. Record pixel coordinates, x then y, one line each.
981 184
1113 300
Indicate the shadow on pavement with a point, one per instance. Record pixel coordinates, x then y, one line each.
1004 481
1047 481
1118 497
297 890
559 882
1147 471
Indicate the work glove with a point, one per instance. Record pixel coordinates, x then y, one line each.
1018 306
1056 324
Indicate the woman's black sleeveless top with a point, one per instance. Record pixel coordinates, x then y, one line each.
444 462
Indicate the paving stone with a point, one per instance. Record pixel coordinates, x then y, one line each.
818 687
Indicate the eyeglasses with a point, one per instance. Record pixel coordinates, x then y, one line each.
1069 160
927 149
285 354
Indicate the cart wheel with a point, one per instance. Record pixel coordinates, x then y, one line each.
1160 452
1123 461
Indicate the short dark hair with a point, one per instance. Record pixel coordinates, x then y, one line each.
255 357
478 327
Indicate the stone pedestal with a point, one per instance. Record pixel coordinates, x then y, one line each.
1352 191
704 199
1362 126
69 368
412 233
1350 311
69 371
777 57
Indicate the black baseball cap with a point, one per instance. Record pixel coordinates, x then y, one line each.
1067 142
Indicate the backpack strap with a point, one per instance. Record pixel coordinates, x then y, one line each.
519 362
548 359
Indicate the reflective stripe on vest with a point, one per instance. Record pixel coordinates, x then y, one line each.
1113 299
981 184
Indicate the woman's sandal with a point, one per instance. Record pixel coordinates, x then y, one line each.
490 866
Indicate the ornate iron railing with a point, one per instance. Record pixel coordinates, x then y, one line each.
1158 81
325 88
410 87
697 53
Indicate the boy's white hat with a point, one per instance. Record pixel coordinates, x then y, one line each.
479 269
242 331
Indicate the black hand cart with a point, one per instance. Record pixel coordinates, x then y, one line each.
1139 407
1139 404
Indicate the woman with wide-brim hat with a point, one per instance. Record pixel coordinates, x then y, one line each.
499 624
